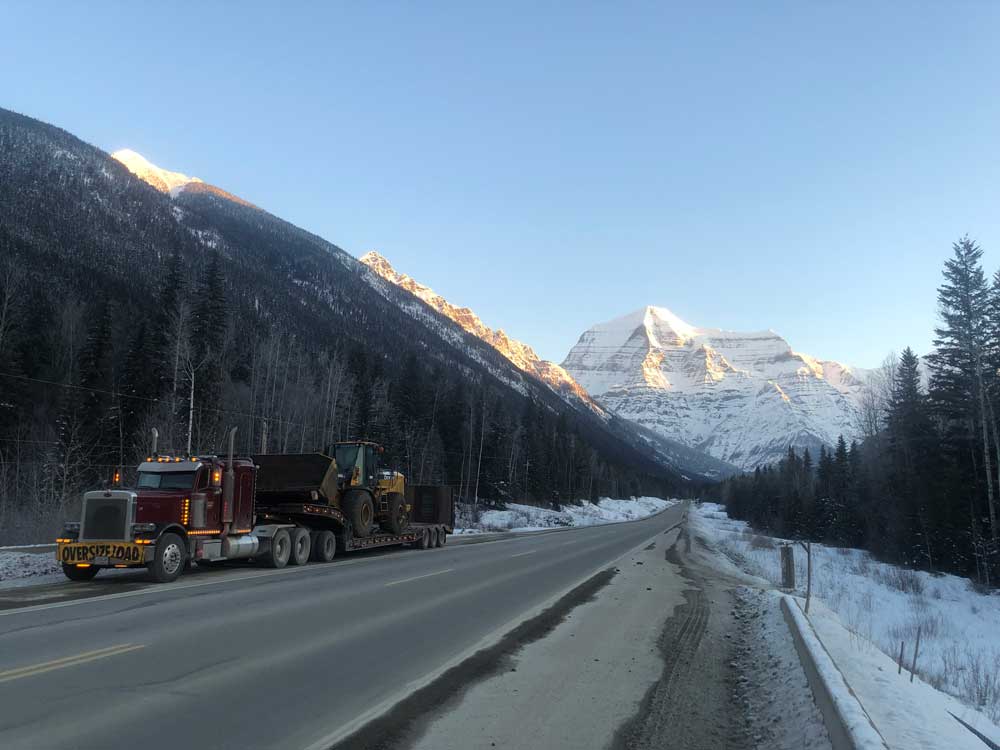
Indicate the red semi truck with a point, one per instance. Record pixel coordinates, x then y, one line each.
273 509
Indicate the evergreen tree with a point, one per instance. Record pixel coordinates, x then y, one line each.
208 331
959 379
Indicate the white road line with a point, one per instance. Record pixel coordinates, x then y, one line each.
417 578
522 554
166 589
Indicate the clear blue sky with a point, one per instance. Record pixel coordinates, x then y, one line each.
799 166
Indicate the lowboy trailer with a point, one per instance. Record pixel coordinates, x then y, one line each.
273 509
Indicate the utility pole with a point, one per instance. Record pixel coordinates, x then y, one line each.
191 413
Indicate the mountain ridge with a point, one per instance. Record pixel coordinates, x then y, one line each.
519 353
743 397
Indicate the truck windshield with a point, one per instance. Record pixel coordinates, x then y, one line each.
166 480
347 458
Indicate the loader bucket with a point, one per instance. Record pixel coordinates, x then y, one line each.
295 476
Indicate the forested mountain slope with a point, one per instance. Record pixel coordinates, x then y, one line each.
117 300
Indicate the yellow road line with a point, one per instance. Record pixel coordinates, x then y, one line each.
68 661
417 578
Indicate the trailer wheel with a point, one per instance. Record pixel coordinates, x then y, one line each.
300 547
398 519
281 547
425 540
74 573
169 559
324 546
359 508
442 537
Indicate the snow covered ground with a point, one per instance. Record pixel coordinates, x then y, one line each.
529 518
17 564
879 606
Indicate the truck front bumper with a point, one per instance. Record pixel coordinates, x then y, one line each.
104 554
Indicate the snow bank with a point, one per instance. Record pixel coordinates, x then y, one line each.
773 688
908 714
529 518
15 564
880 605
846 717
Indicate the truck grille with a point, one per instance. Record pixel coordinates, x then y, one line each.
105 518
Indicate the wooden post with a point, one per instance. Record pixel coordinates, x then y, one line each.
900 670
787 567
809 574
807 546
916 650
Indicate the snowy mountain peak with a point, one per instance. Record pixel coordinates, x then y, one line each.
517 352
742 397
163 180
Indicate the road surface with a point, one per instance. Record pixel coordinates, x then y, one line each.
294 658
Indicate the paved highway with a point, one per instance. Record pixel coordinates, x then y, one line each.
294 658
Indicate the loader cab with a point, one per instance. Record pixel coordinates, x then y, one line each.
357 463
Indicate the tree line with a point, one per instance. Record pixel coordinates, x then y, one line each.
85 378
920 485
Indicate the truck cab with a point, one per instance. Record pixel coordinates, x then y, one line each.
176 507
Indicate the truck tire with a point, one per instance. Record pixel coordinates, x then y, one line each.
358 507
301 546
399 518
74 573
279 550
442 537
324 546
425 540
169 559
432 537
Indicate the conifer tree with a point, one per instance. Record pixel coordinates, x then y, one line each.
959 382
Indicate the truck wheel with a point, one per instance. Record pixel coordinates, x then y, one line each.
169 559
442 537
324 546
433 538
425 540
74 573
398 519
358 506
300 547
281 547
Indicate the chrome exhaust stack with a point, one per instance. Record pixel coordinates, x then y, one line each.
228 491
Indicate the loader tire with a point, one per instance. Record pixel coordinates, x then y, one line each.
301 546
358 507
399 519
